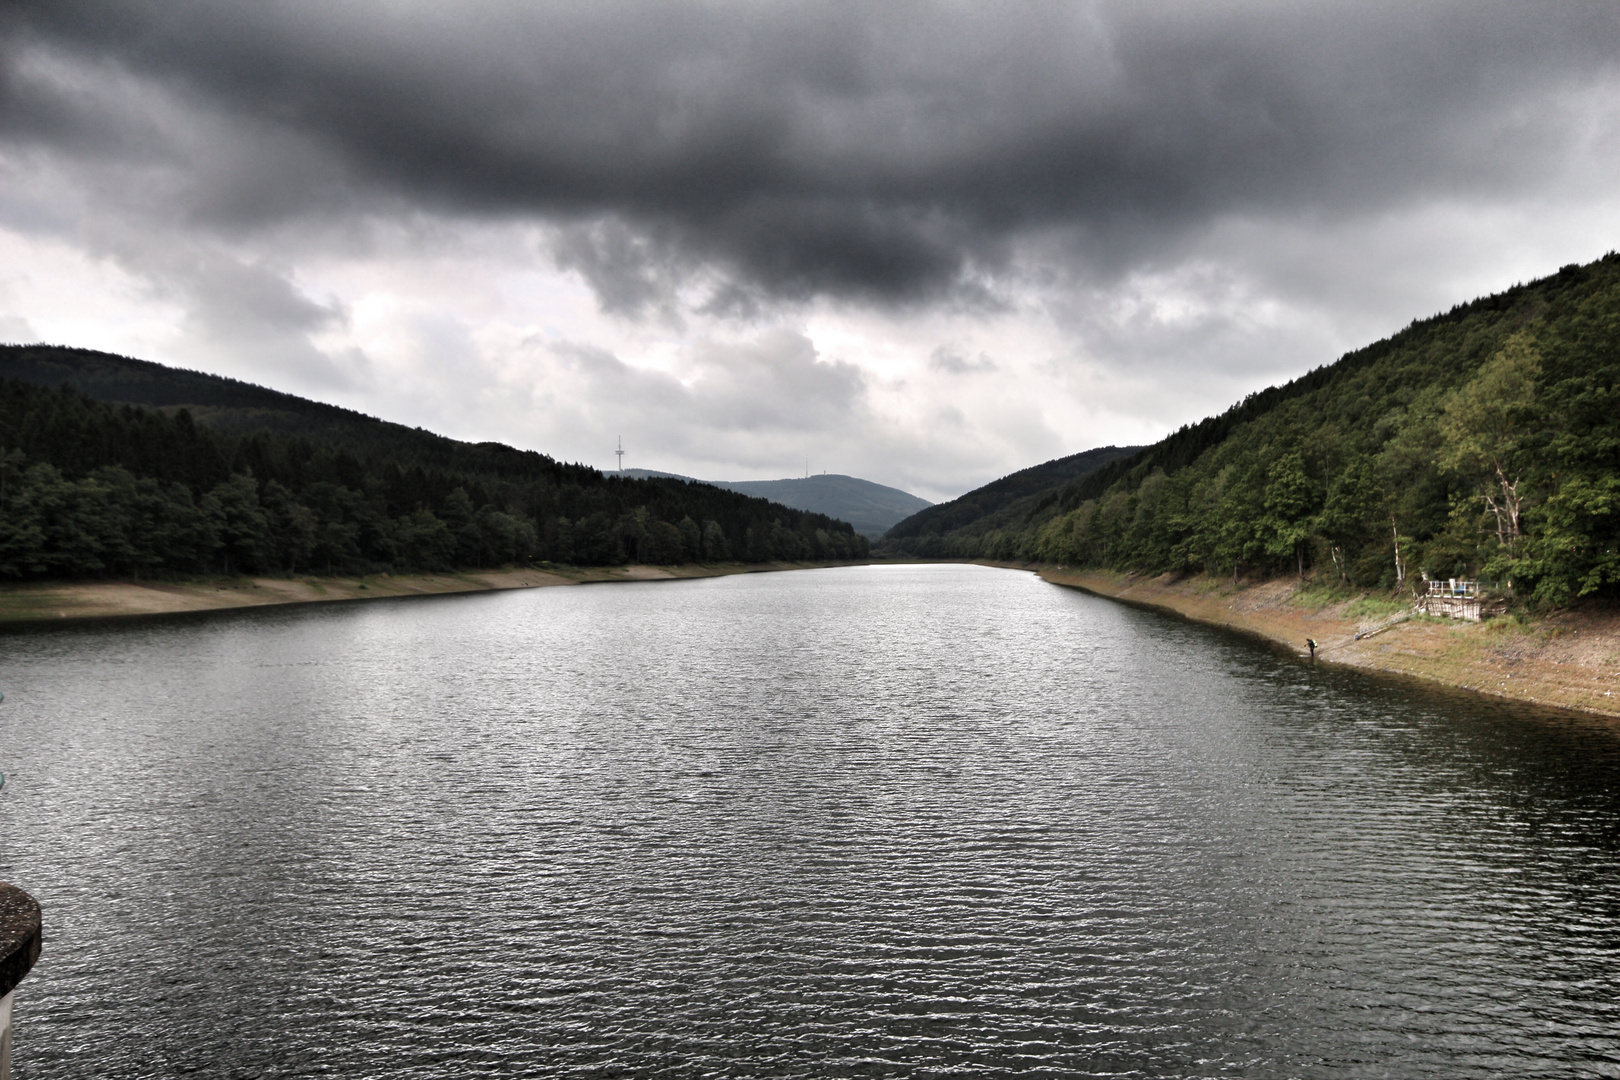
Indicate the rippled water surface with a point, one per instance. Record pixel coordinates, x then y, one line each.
888 821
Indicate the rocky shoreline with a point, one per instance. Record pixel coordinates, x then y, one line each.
1568 660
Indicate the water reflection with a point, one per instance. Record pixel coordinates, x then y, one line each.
876 821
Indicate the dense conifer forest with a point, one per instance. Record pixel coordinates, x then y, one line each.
1484 442
272 484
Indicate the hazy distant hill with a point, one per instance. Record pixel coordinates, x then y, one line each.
871 508
1000 502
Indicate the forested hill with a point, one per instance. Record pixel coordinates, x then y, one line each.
1012 499
241 408
1484 442
202 474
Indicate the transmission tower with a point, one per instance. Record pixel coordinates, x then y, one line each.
620 452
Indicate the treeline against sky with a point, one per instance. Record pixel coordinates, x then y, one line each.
1001 502
1484 442
90 489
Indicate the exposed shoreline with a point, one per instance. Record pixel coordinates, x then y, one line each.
43 602
1569 660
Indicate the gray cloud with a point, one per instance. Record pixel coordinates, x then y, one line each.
255 314
1141 210
755 404
896 153
631 273
952 362
15 330
774 382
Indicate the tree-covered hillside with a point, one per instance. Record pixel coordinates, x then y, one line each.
1482 442
90 488
1011 499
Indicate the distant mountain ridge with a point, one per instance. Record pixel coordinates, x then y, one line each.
872 508
1011 499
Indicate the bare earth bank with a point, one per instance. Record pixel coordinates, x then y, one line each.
103 599
1569 660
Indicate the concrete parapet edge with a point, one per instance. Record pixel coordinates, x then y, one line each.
20 936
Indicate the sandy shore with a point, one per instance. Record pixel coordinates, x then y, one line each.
1570 660
108 599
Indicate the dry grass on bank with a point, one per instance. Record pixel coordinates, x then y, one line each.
1568 659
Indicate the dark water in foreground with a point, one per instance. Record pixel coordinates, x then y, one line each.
902 821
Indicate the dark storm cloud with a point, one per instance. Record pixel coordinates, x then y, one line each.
892 152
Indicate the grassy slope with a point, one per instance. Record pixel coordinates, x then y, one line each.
1569 659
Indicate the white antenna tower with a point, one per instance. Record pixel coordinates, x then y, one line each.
620 452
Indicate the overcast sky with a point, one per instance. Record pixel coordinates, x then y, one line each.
922 244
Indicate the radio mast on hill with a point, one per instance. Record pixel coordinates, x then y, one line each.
620 452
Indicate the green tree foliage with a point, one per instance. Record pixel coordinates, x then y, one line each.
1289 507
1485 441
89 489
1486 426
715 546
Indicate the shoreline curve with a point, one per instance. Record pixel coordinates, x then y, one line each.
1567 660
33 604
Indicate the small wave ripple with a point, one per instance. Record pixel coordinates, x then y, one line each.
902 821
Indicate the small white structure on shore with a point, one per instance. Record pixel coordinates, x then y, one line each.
1454 598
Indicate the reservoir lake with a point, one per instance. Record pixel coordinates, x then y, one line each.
898 821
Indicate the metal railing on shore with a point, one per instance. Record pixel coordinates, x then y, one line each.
1456 598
